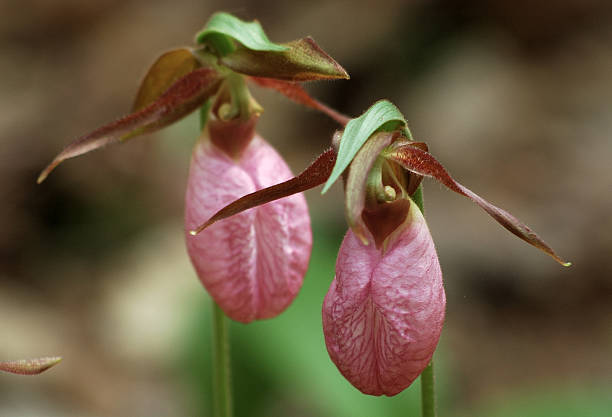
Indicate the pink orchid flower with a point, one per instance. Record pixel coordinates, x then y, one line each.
252 264
384 311
383 314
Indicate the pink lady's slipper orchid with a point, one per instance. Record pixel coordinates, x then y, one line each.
384 311
383 314
252 264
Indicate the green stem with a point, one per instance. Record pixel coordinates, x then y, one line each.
242 105
222 391
428 392
417 197
428 389
204 113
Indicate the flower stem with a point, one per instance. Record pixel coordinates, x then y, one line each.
204 113
222 390
242 105
221 365
428 389
428 392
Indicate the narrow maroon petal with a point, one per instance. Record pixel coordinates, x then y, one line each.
415 179
421 162
316 174
295 92
184 96
29 366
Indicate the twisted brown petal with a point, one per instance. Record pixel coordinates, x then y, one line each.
184 96
423 163
316 174
296 92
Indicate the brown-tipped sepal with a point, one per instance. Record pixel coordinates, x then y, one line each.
421 162
245 48
303 60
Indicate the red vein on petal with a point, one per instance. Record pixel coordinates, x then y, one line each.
296 92
184 96
316 174
29 366
423 163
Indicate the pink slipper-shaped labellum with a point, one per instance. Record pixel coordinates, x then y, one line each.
253 263
383 314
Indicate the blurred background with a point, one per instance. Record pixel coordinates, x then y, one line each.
513 97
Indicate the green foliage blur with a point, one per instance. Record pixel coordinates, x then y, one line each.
281 366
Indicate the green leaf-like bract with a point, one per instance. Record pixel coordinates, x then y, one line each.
383 115
223 27
303 60
357 178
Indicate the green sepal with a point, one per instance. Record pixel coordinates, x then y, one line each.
381 116
357 181
223 28
303 60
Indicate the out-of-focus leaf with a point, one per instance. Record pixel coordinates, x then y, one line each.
296 93
314 175
303 60
29 366
356 181
165 71
222 26
382 115
183 97
423 163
